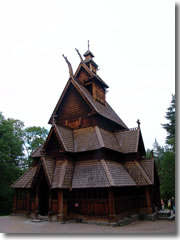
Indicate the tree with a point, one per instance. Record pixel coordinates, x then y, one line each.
11 141
167 175
11 156
167 169
33 138
16 145
158 155
170 126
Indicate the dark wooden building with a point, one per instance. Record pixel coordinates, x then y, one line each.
91 166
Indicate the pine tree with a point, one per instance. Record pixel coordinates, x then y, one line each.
170 126
167 170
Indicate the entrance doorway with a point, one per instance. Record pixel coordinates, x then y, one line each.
43 197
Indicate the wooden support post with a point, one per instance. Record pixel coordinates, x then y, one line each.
36 205
148 200
28 196
111 204
60 215
50 206
15 201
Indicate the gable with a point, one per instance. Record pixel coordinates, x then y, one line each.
72 106
53 144
141 147
83 75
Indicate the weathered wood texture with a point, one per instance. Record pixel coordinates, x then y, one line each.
98 93
73 105
60 206
91 163
83 76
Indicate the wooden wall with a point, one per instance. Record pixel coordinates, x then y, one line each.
98 93
73 105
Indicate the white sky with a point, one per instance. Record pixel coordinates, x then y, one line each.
133 43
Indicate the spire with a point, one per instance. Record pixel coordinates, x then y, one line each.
89 60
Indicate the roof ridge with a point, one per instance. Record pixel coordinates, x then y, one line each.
142 171
82 93
27 183
137 143
118 142
37 149
60 98
63 171
98 134
61 138
152 160
108 174
46 171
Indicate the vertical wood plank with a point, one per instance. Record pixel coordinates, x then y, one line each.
28 205
60 215
36 205
15 202
111 204
148 201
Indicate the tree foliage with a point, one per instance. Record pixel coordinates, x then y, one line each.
33 138
14 140
170 126
165 156
11 156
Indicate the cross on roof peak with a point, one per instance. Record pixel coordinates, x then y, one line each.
138 122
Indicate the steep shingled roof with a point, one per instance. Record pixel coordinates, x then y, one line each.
148 166
136 171
93 138
26 178
37 152
103 110
128 140
88 174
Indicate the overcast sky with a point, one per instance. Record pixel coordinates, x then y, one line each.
133 43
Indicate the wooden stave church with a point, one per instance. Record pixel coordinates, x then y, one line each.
91 166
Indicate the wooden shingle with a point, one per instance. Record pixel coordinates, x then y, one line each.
139 176
89 174
119 174
26 179
85 139
128 140
148 166
104 110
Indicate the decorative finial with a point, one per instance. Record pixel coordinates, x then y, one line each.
69 65
138 122
79 54
88 45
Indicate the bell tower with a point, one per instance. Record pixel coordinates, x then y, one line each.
89 60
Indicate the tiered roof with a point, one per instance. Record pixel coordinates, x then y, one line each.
94 138
89 173
71 172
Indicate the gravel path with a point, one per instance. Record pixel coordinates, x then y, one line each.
19 224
